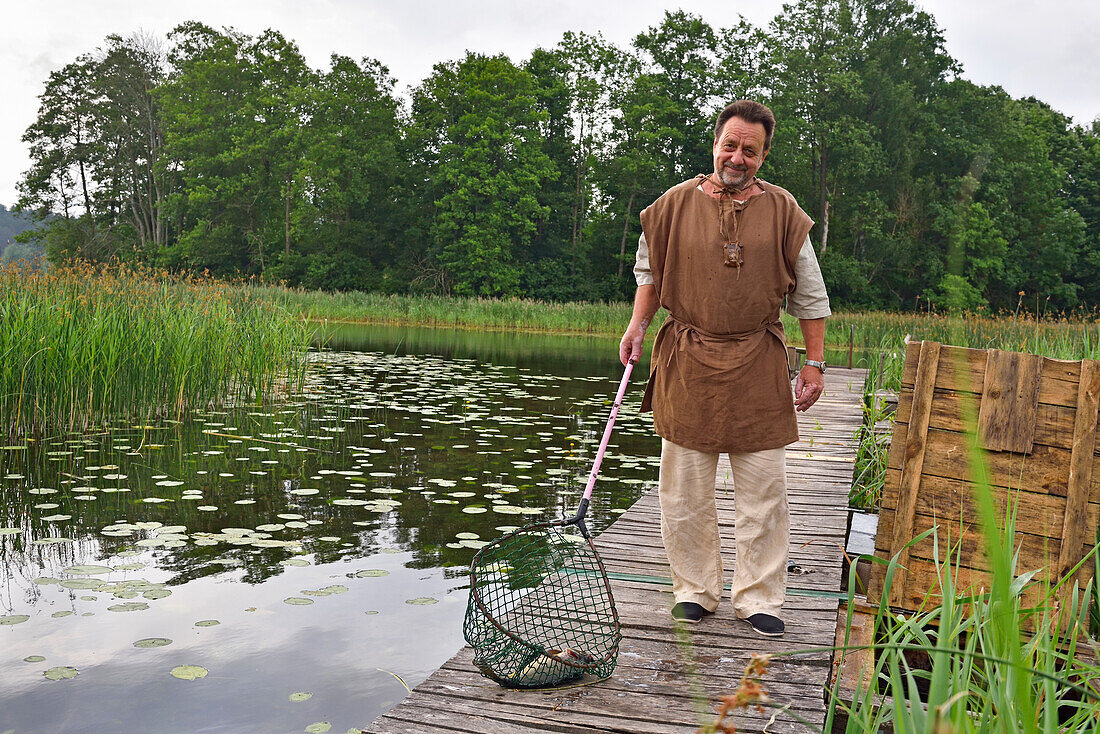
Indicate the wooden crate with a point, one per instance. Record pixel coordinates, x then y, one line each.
1037 421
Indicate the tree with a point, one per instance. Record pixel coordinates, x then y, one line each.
354 211
236 113
667 102
482 164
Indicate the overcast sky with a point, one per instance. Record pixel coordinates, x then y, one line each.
1030 47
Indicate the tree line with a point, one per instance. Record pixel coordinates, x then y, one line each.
212 149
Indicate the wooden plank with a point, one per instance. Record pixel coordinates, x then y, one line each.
1080 467
1010 396
1044 470
1053 423
1059 376
949 501
914 455
854 667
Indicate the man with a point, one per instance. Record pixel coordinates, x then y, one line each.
720 253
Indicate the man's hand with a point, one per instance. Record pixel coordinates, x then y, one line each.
808 387
630 347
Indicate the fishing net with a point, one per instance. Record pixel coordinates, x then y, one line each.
541 611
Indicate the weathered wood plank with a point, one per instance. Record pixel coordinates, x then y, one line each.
1080 467
1010 396
913 463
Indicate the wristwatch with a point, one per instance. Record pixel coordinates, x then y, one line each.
815 363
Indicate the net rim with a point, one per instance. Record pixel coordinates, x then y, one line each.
613 651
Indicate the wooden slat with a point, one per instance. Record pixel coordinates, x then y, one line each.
1010 396
1053 423
856 665
949 501
914 459
1059 377
1045 470
1080 467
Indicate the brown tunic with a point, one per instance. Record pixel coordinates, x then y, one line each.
718 379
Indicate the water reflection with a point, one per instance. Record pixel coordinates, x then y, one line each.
370 490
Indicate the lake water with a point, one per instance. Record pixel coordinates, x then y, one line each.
307 558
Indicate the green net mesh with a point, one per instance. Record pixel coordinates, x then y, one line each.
541 612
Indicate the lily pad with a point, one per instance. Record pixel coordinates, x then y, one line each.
14 619
297 600
10 531
86 584
87 570
318 727
371 573
62 672
33 659
422 601
130 606
152 642
300 696
207 623
189 672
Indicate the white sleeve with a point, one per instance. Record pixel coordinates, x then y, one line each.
642 274
809 299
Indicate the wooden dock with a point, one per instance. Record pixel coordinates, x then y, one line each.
669 680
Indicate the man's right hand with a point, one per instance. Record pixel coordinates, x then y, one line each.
630 347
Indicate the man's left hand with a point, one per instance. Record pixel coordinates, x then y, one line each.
808 387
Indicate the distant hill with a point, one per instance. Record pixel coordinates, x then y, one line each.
11 224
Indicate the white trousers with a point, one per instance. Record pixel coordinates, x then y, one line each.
689 527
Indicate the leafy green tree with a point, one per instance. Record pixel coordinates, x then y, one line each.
350 220
477 128
235 109
662 135
129 171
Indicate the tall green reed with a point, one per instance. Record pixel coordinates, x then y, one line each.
84 345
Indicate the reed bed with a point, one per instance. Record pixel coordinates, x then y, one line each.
83 345
607 319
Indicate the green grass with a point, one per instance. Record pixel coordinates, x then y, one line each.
82 346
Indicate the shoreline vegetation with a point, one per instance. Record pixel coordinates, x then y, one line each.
1065 336
85 345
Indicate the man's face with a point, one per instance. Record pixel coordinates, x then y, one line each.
739 152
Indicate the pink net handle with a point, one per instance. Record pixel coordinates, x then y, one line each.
607 434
